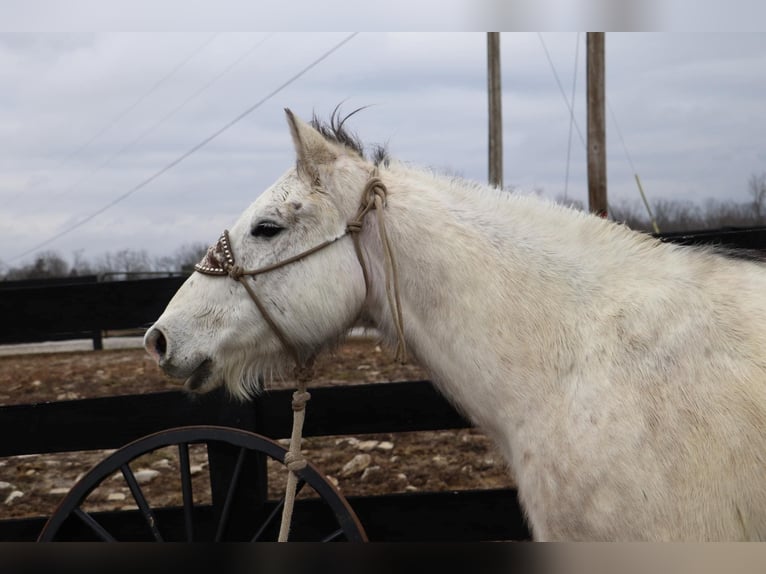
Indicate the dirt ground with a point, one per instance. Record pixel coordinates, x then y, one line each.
33 485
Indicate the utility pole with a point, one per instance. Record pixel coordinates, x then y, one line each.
495 110
597 202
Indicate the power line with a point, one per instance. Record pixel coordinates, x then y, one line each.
124 112
619 134
164 118
192 150
571 115
633 168
561 89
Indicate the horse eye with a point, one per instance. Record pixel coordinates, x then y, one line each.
266 229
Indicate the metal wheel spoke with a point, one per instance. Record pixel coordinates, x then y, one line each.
333 536
143 505
230 494
186 489
93 525
277 510
238 486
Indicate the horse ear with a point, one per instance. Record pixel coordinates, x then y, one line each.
311 147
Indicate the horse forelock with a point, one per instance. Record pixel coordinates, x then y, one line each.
336 131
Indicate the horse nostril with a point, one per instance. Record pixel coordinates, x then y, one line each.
161 344
156 344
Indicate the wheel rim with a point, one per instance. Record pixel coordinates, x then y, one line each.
70 514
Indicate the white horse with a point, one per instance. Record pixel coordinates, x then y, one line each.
624 379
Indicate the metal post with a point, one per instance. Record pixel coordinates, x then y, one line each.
495 110
597 201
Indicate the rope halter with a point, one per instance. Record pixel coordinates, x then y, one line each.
220 261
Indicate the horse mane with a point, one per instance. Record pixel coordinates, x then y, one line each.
334 130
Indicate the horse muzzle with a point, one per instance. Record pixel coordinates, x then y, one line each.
196 370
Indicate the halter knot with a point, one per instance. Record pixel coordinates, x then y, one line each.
236 272
375 189
300 398
305 373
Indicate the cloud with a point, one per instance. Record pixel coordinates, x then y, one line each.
688 107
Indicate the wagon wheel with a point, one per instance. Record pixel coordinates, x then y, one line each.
327 518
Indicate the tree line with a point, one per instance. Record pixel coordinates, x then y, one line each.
675 215
120 265
684 215
669 214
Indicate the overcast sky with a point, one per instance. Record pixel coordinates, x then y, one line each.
85 118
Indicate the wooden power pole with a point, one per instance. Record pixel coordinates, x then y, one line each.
495 110
597 202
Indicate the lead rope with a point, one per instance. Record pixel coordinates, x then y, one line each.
373 197
375 191
294 459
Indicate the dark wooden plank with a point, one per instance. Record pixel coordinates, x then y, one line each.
114 421
32 312
362 409
21 529
467 516
111 422
48 282
25 336
459 516
753 238
51 311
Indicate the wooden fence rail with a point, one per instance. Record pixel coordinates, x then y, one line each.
106 423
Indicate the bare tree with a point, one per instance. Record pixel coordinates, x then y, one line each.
124 264
80 266
631 214
671 215
47 264
183 260
577 204
189 254
756 188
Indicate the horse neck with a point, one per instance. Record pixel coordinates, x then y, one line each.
472 287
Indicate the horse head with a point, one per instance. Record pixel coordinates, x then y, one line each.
280 285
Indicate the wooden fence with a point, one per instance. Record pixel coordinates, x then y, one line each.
107 423
40 313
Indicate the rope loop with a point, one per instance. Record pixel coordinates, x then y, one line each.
375 196
378 191
374 188
300 398
295 461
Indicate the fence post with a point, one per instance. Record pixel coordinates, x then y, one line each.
252 489
98 340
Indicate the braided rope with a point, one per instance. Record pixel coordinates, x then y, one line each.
375 194
294 459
